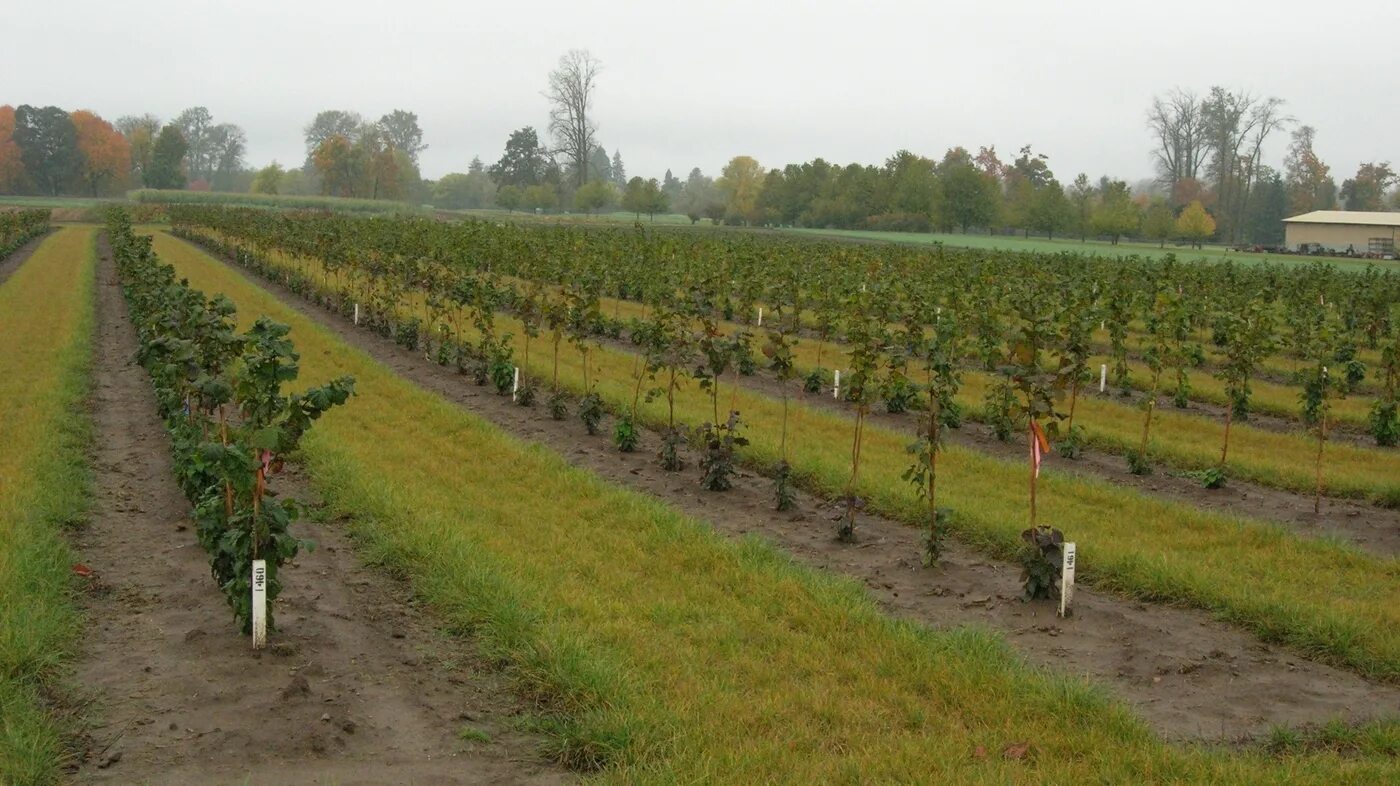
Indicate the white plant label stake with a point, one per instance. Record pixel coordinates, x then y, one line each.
1066 579
515 387
760 316
1103 376
259 604
836 389
357 314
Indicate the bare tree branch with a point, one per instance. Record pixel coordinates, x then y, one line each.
570 94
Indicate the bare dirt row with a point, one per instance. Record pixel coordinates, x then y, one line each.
1189 675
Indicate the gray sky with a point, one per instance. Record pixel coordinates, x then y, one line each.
692 84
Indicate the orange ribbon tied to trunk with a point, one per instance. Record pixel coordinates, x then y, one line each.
1039 446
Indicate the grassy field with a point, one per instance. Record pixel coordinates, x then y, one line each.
272 201
52 202
1245 571
46 318
1076 246
671 655
953 239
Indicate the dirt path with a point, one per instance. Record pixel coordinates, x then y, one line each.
11 263
1187 674
357 688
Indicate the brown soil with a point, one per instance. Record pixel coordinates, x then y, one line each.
1188 675
11 263
357 688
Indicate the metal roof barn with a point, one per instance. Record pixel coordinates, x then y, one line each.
1344 232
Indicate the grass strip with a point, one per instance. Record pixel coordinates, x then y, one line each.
46 319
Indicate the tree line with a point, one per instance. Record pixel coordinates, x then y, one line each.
51 151
1212 180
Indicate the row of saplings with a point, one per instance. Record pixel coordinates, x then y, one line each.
18 227
220 393
689 342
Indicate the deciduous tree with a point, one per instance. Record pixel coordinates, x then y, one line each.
594 195
540 197
12 177
227 143
1178 135
1308 180
457 191
269 179
106 156
1195 224
329 123
48 144
337 164
1366 191
1051 211
196 125
140 132
401 131
571 88
167 168
1117 214
1081 198
740 183
509 197
1158 222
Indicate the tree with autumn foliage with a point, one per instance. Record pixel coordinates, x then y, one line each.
1195 224
335 160
741 183
12 177
1366 191
1308 181
106 156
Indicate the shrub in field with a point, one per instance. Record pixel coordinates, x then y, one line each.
1041 557
18 227
1248 331
1320 386
221 395
719 457
779 351
1385 421
1076 347
866 335
581 312
1155 356
940 353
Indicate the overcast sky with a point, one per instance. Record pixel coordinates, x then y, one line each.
693 84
